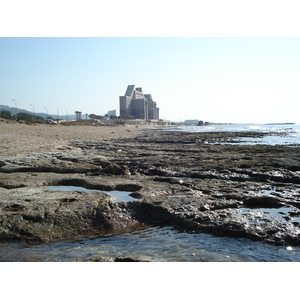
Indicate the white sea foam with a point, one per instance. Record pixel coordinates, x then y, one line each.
256 127
280 134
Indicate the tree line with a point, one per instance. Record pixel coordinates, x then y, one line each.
6 114
98 117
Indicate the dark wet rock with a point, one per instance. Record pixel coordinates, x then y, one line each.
137 259
97 259
263 201
40 215
153 171
294 212
220 221
115 169
127 258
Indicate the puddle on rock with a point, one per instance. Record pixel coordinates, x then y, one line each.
119 196
178 196
282 214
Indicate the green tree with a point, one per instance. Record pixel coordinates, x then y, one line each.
6 114
93 116
38 118
25 116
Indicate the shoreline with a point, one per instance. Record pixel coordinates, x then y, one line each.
190 181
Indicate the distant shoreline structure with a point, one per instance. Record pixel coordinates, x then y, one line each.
229 124
280 124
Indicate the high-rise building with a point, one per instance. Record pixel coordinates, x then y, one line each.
137 105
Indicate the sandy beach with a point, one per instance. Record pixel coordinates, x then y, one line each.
23 139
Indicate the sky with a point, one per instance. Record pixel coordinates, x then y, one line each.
227 79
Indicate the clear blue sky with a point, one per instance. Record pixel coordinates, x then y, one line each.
212 79
218 61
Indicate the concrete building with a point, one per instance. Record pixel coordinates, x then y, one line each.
134 104
112 113
191 122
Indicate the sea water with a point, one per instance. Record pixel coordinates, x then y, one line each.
118 196
278 134
160 243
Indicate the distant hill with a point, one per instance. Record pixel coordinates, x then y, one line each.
43 115
13 109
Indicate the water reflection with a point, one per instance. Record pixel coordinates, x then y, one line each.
164 243
119 196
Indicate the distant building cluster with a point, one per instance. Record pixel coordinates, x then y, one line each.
138 105
201 123
196 122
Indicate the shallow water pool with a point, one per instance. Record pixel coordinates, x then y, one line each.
119 196
159 243
163 243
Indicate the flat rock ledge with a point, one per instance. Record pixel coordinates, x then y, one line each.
41 215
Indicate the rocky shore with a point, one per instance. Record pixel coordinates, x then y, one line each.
192 181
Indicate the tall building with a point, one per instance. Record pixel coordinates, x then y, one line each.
137 105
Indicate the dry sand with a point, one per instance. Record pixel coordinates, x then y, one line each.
24 139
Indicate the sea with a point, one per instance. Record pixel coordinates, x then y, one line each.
167 243
277 133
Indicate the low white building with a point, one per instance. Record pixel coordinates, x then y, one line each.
191 122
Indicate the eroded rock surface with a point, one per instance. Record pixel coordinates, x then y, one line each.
188 180
40 215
